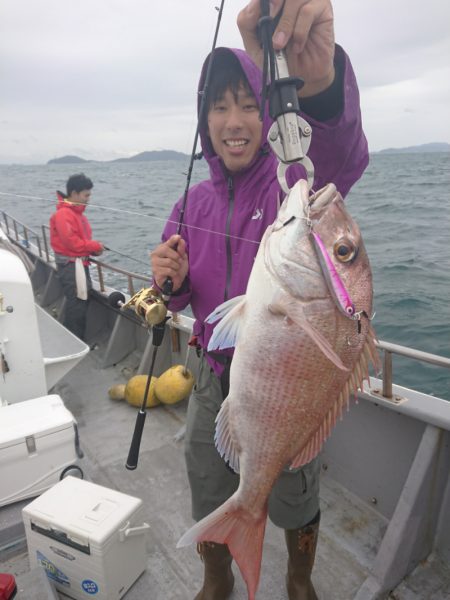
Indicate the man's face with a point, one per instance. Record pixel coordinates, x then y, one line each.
235 129
80 197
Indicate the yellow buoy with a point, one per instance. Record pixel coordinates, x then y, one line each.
135 388
117 392
174 385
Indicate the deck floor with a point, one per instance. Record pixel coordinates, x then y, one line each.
349 535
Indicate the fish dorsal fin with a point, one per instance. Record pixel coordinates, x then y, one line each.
352 385
226 333
223 439
292 310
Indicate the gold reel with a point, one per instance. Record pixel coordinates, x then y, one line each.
148 305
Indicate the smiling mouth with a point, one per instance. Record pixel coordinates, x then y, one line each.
235 143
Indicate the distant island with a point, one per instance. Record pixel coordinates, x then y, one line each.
433 147
141 157
152 155
67 160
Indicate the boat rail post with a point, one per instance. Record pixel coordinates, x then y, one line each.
5 218
100 277
44 237
38 244
387 373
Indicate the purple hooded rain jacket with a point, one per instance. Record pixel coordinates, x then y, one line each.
226 216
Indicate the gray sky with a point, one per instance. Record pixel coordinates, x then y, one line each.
109 78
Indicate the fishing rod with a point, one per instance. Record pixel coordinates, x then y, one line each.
152 303
201 114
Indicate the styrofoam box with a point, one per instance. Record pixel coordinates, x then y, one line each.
89 538
37 441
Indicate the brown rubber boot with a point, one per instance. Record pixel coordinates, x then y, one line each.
219 578
301 545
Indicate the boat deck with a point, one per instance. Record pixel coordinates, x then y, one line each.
350 532
385 491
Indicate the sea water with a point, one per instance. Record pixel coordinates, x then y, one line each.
401 204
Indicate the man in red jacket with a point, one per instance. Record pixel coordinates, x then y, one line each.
72 243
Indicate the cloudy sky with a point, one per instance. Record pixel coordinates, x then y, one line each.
109 78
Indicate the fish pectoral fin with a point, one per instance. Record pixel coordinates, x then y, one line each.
223 439
294 312
223 309
226 333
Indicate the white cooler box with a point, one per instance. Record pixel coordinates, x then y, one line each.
38 440
90 539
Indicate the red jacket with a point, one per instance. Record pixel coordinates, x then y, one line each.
70 232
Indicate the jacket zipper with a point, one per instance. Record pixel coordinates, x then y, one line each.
227 238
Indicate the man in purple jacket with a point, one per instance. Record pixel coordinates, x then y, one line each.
224 221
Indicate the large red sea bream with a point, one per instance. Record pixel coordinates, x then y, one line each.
303 343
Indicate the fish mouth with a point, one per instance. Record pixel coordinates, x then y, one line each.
320 201
296 218
300 204
304 205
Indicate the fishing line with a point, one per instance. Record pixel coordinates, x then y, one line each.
165 220
140 214
23 196
108 248
142 262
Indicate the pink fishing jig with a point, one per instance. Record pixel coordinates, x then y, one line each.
334 281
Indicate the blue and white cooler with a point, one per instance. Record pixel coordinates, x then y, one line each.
90 539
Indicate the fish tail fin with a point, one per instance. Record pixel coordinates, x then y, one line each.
243 533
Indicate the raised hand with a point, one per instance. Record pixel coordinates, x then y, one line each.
306 32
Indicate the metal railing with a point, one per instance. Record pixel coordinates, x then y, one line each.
12 231
130 276
102 267
25 236
389 349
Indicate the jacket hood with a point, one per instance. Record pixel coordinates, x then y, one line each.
254 77
64 203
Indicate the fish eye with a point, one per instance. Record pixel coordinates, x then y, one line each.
345 250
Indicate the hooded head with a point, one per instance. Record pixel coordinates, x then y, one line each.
230 129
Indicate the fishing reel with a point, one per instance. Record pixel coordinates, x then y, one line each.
148 305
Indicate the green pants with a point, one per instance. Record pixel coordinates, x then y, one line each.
294 500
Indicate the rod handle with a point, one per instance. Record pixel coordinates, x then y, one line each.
167 287
133 454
